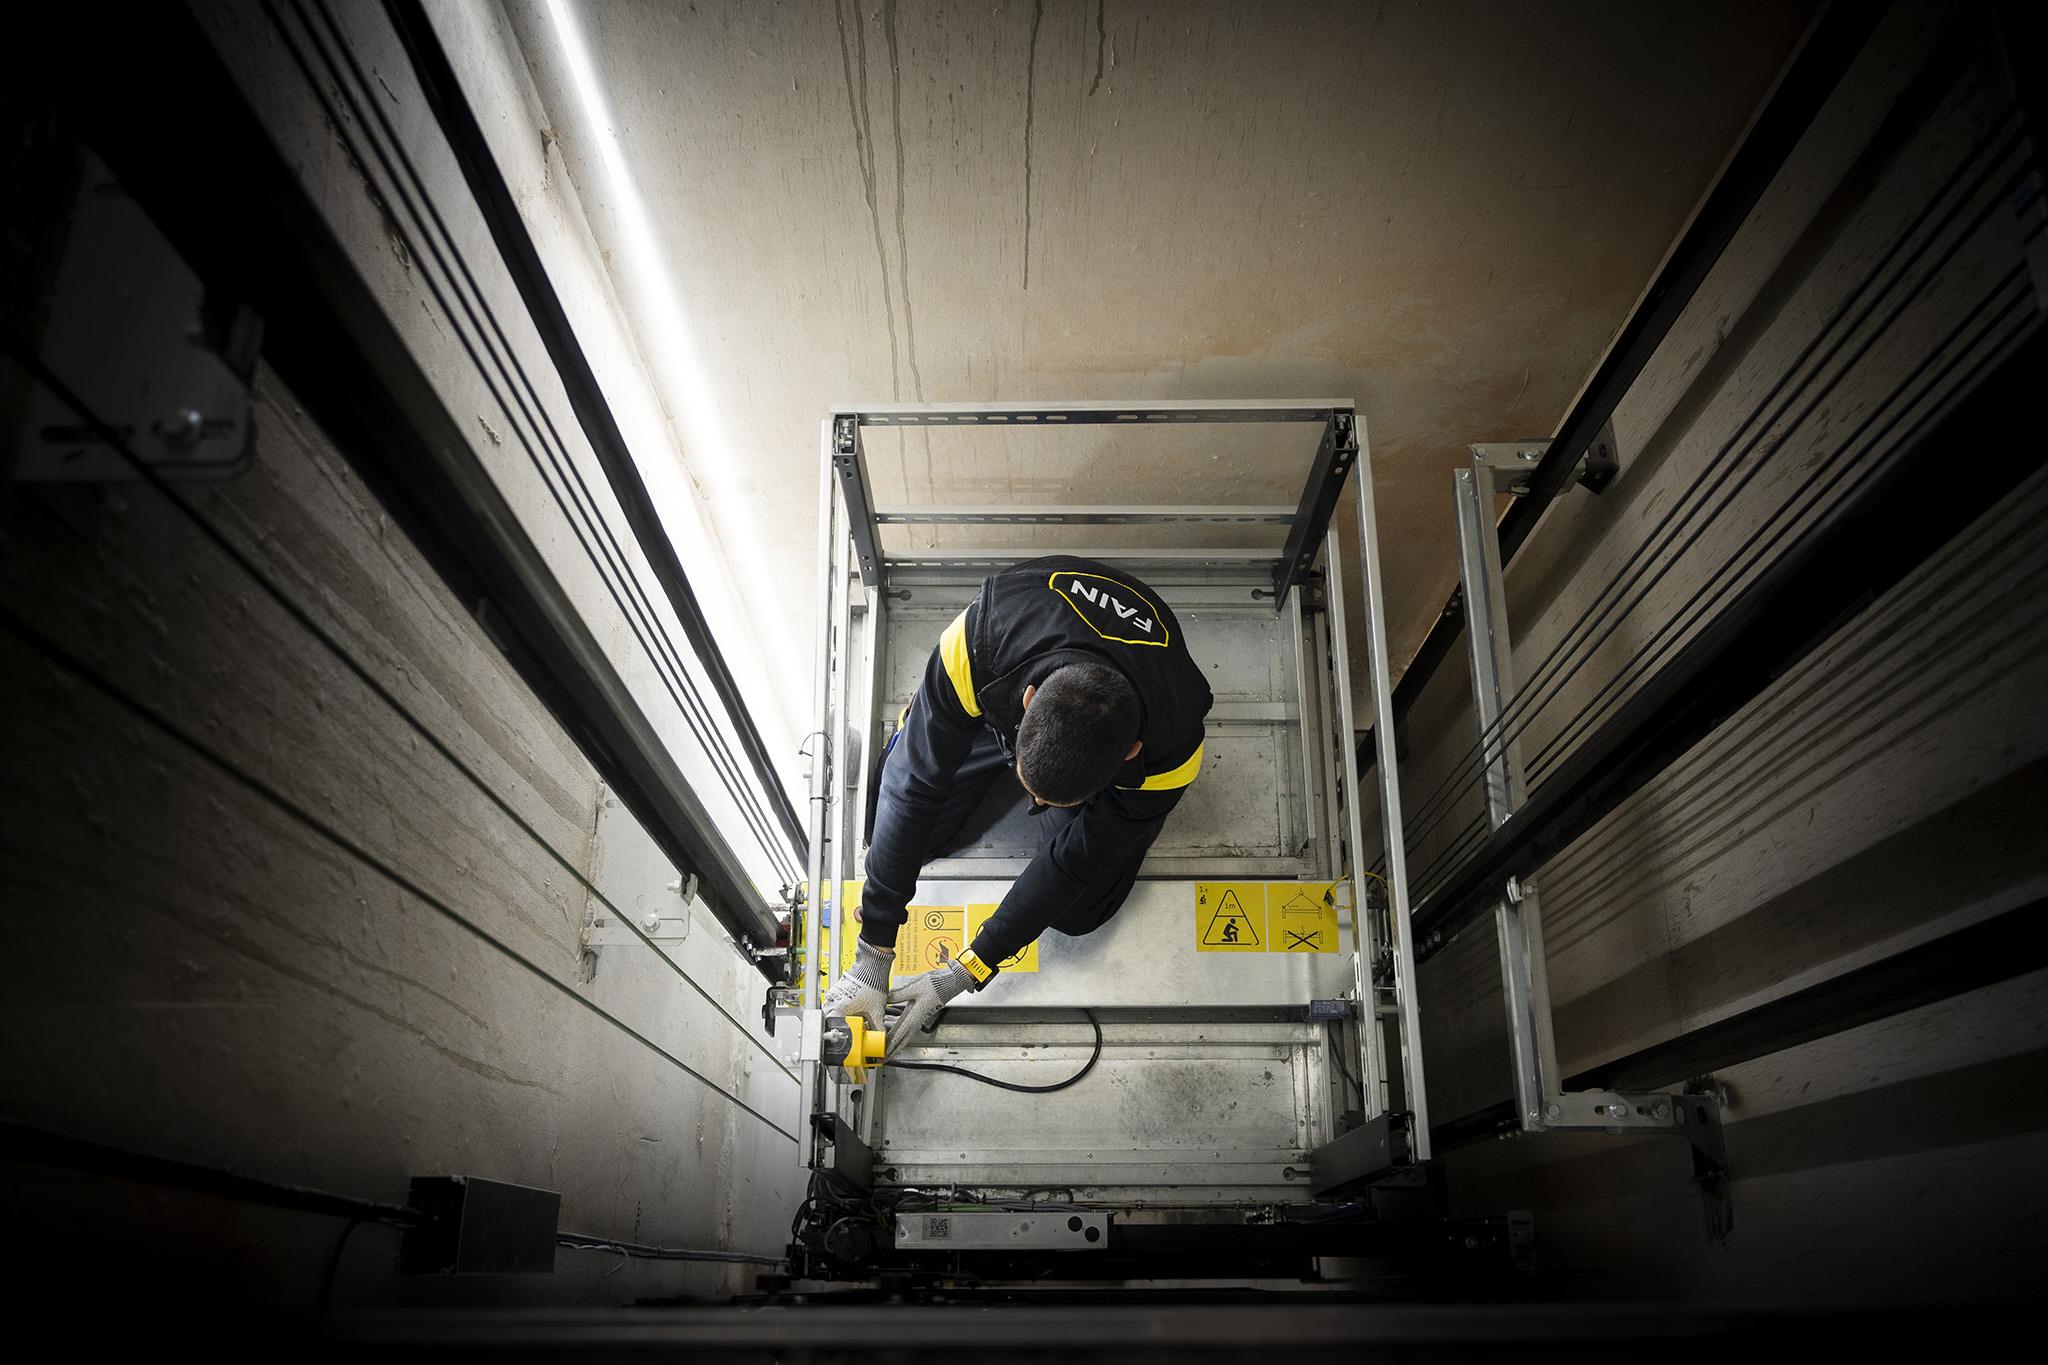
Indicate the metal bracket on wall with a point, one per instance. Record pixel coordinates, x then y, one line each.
1514 462
133 333
666 921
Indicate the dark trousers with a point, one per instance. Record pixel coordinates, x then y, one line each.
985 789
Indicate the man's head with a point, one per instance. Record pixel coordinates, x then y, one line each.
1080 726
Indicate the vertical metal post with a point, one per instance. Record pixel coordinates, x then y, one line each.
820 774
1391 826
1364 933
837 807
1518 918
875 616
1308 729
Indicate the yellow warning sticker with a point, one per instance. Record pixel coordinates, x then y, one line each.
1302 916
1025 960
1230 917
931 937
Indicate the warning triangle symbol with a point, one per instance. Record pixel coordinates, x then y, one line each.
1230 925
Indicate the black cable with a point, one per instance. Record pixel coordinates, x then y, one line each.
1336 1037
64 394
70 663
1093 1058
334 1261
576 1241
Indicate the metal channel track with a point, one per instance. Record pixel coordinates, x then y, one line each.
259 237
1831 45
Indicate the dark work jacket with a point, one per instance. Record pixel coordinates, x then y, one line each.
1024 623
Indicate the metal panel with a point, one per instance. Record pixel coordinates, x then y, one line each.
1156 927
1002 1230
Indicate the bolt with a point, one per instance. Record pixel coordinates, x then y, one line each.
1471 1244
1552 1112
1514 891
676 885
1531 455
651 923
1663 1110
183 427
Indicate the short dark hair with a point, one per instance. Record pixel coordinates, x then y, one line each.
1076 732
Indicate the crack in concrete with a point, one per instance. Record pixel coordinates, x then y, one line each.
853 64
1030 114
902 235
1101 42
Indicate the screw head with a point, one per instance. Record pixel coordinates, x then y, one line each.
651 923
183 427
1663 1110
1552 1112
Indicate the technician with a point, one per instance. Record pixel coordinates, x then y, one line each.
1073 680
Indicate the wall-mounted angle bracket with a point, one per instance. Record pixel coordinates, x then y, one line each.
663 918
1694 1117
1512 462
133 334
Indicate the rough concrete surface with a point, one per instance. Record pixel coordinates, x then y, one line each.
1442 212
190 973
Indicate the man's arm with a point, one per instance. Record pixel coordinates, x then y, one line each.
916 778
1095 849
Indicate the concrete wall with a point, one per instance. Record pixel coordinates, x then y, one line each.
1888 788
190 973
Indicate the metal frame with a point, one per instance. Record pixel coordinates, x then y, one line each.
1387 1033
1540 1101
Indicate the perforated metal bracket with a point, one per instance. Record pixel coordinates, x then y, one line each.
136 339
1694 1117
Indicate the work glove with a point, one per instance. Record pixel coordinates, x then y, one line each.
922 997
863 988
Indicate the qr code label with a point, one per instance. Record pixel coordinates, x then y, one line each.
937 1229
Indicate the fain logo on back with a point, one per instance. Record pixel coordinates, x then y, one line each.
1113 610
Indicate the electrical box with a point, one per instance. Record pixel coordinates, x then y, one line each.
480 1227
